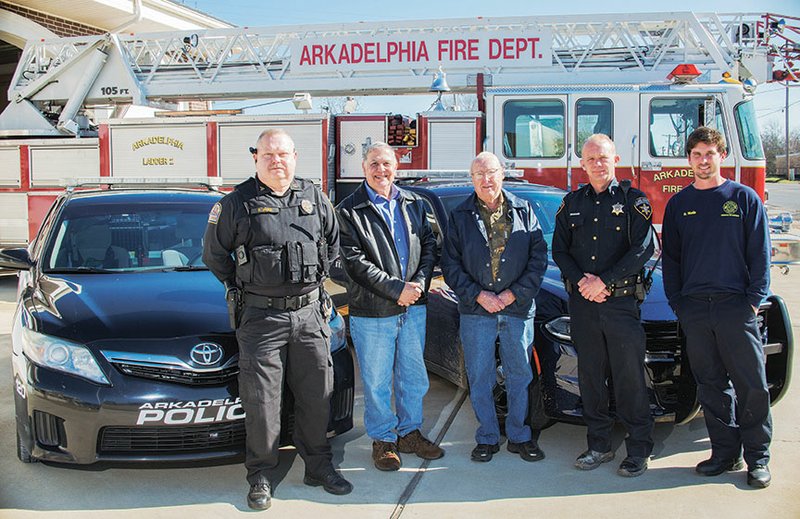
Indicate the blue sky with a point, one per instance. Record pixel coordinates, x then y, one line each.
770 99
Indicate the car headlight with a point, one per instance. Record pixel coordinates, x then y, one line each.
58 354
338 332
559 328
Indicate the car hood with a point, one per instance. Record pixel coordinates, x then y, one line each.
142 305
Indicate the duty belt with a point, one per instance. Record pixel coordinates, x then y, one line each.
624 287
282 303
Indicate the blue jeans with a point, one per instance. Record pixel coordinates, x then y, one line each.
478 336
389 351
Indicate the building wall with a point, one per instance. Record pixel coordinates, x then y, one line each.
60 26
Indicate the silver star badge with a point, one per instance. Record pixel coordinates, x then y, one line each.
616 209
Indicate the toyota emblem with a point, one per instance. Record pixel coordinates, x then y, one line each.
206 354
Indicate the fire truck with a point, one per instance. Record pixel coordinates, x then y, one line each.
543 84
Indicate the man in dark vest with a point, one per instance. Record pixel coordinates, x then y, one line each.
273 239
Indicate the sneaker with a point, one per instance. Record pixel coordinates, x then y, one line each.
385 455
632 466
260 496
590 459
758 476
415 443
716 466
528 451
484 451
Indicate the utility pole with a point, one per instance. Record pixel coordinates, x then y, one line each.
786 115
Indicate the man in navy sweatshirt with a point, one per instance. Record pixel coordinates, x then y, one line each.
716 274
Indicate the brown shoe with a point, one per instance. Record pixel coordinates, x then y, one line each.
415 443
385 456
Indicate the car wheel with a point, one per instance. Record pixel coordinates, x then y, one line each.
537 416
23 453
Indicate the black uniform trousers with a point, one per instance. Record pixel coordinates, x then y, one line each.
727 359
294 344
610 342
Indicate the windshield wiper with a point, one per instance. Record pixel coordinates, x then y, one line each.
184 268
83 270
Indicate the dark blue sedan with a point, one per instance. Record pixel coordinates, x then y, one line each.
554 392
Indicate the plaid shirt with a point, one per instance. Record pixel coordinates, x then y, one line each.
498 228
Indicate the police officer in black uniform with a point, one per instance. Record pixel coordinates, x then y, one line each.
602 240
271 241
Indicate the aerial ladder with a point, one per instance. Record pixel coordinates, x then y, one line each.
58 79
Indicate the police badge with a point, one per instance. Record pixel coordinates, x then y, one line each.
307 207
616 209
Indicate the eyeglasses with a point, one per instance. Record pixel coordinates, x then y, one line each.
489 173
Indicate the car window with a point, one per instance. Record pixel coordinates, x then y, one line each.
116 237
544 203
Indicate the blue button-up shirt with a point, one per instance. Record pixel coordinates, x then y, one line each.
389 209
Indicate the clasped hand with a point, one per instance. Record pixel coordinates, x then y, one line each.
593 288
493 303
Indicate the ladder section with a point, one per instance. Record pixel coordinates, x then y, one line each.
393 57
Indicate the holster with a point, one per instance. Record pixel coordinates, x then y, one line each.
327 303
233 297
643 283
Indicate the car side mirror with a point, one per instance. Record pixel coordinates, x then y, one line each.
16 259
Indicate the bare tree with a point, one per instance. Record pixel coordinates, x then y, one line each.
774 141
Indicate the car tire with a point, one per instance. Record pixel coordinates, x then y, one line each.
23 453
537 415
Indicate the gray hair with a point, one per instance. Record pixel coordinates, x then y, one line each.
485 156
378 146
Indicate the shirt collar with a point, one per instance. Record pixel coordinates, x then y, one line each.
611 189
482 204
375 198
294 186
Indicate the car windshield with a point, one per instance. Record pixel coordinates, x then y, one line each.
544 203
116 238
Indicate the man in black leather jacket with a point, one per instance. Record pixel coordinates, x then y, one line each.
388 250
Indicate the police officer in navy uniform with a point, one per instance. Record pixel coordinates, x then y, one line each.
602 240
272 240
716 275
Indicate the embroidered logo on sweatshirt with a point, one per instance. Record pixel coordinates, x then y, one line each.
730 208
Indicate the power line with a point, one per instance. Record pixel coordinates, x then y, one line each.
781 109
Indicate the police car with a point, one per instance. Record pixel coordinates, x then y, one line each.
122 348
555 394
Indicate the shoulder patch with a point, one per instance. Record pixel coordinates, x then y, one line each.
642 205
213 216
